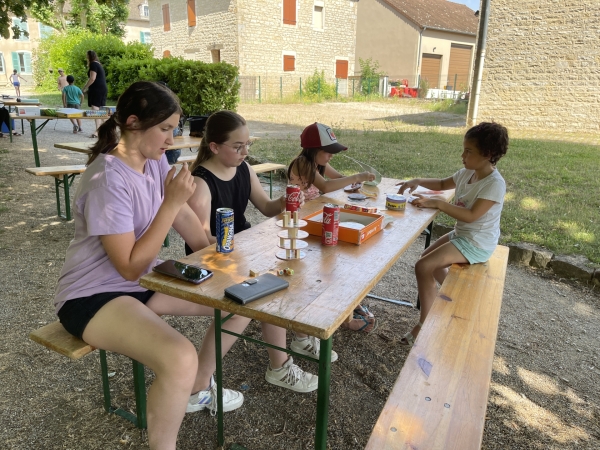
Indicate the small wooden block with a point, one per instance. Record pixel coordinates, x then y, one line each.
254 273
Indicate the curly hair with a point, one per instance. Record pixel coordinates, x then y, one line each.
491 139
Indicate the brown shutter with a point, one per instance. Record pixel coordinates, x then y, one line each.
166 17
341 69
289 12
191 9
460 66
430 69
167 54
289 63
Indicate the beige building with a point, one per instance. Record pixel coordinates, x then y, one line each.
431 39
138 23
279 41
542 65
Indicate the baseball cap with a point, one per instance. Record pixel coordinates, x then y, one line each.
320 136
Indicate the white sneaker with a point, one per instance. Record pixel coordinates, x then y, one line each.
292 377
208 399
310 346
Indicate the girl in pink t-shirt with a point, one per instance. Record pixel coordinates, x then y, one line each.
308 170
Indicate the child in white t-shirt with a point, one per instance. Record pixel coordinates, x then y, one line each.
478 201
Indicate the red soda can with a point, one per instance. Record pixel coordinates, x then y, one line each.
331 224
292 197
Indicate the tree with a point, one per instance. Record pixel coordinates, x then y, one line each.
16 8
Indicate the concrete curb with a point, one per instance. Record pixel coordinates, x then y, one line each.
572 267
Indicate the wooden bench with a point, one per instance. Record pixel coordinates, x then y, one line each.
56 338
439 400
63 175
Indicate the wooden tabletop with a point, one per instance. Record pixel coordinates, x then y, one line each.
327 284
27 117
16 103
84 147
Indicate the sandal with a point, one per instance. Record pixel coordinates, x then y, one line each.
363 311
16 134
408 339
360 323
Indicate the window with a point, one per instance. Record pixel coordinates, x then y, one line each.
22 62
145 37
45 31
24 29
318 16
289 63
144 11
166 17
191 13
289 12
2 69
215 55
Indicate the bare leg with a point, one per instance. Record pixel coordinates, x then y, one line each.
128 327
438 259
439 274
99 122
276 336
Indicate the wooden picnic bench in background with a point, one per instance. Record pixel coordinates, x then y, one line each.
439 400
54 337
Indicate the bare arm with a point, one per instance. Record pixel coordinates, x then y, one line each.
326 186
435 184
331 173
199 203
90 80
259 197
130 257
188 225
64 99
479 208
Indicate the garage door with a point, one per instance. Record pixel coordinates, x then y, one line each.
460 66
430 69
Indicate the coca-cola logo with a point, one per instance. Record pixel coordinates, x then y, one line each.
327 217
293 197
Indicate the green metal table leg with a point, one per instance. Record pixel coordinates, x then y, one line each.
271 184
57 189
323 394
166 242
219 381
429 232
139 386
67 196
105 383
10 121
36 154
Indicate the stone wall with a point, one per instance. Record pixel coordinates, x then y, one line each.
542 66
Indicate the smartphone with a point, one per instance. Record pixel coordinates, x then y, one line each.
187 272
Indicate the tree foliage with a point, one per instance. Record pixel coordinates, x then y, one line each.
16 8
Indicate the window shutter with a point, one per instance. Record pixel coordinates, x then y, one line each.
1 63
289 63
167 54
191 11
142 37
27 59
166 17
341 69
289 12
15 59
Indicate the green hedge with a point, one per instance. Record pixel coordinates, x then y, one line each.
202 88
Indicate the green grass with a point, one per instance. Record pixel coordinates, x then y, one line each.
447 106
552 187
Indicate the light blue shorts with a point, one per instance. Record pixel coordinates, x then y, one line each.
473 254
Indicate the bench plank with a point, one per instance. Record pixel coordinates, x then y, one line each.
450 364
268 167
56 170
56 338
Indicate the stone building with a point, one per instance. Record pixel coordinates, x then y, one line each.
411 39
280 41
542 65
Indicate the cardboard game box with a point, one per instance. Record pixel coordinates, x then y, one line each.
350 225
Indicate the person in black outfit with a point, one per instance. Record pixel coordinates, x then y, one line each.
4 118
95 86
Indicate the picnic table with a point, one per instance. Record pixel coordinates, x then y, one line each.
84 147
326 286
36 129
12 104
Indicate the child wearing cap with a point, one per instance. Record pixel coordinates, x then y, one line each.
308 170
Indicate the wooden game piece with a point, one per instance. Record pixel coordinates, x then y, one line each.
296 219
286 219
254 273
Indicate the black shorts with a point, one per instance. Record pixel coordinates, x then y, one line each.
76 314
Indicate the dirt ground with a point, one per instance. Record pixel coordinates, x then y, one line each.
546 375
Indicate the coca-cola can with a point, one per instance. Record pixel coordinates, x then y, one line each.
292 197
331 224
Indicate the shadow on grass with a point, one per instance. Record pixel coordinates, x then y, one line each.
428 119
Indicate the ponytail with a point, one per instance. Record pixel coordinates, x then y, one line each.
108 138
306 166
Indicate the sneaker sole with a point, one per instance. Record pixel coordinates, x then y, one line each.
334 355
226 408
292 388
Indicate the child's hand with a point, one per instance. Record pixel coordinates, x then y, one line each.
410 184
366 176
424 202
179 188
